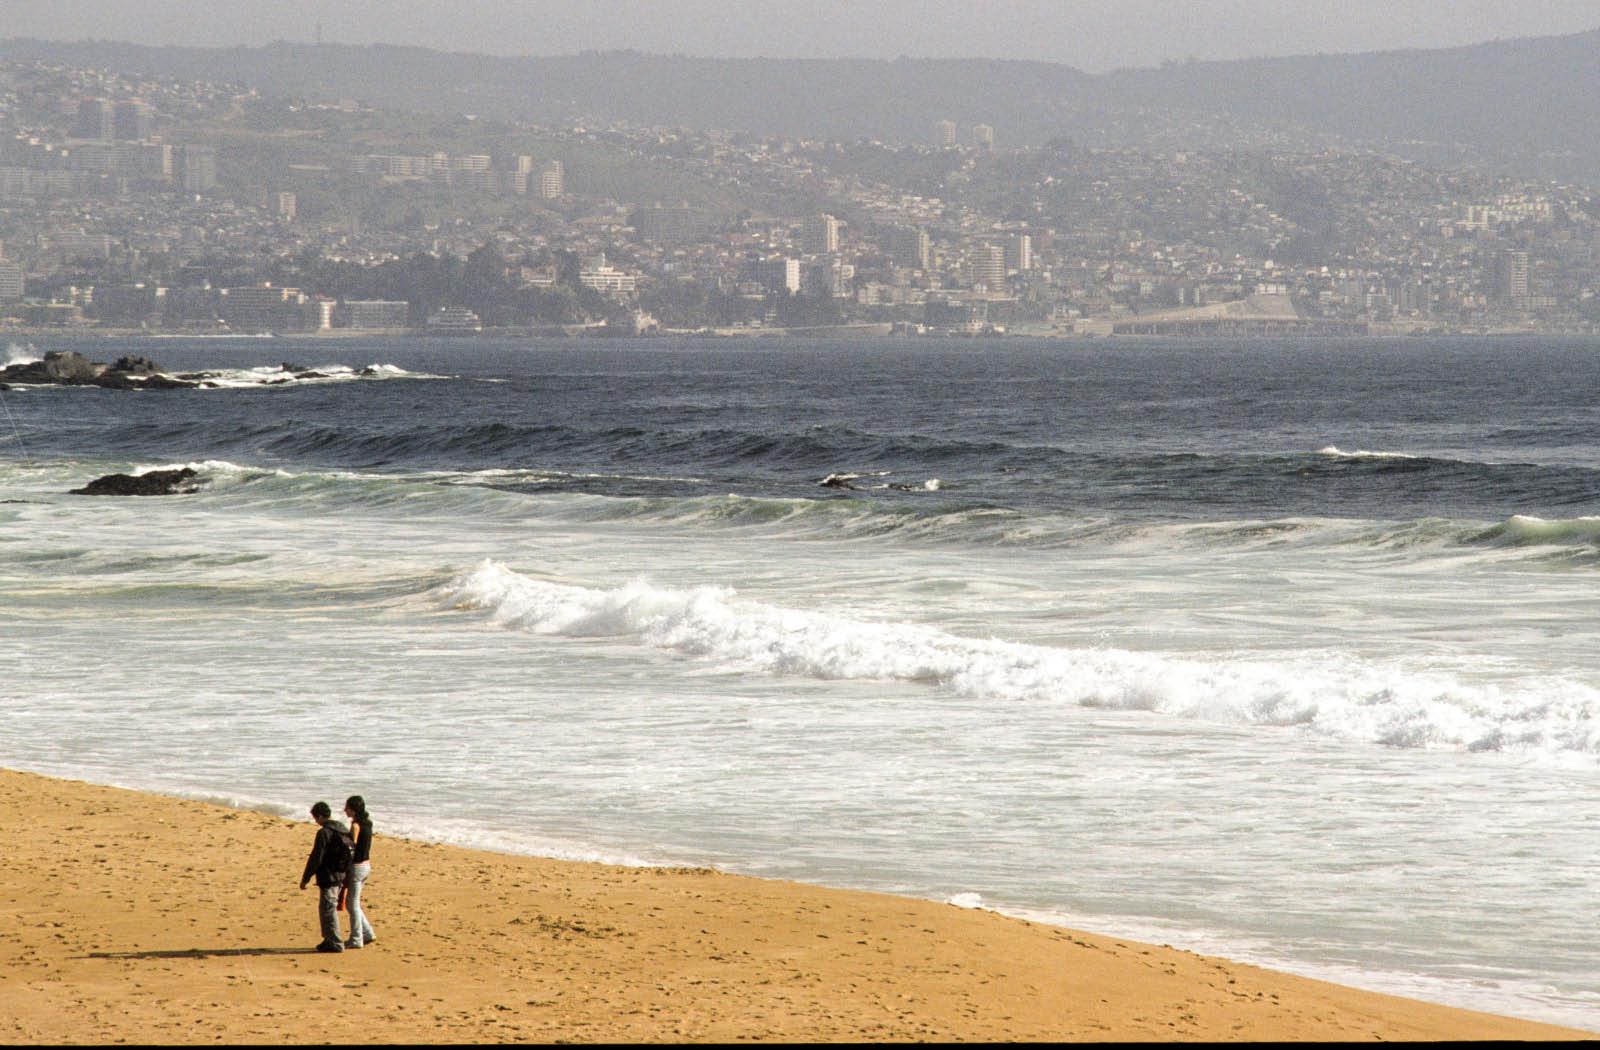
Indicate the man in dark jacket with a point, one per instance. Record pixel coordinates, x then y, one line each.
329 859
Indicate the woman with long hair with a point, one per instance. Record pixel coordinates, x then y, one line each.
355 807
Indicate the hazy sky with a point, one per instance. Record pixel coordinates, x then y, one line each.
1091 34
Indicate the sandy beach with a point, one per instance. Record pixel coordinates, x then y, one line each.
142 918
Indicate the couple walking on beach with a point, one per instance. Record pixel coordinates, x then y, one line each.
341 862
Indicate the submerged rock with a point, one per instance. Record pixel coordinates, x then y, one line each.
162 381
151 483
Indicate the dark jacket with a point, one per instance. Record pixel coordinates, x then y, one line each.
321 863
363 842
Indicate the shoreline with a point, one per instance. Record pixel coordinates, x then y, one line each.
149 918
831 332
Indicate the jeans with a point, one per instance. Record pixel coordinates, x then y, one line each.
328 913
360 928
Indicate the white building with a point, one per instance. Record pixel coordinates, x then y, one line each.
454 320
11 281
988 268
1020 253
607 279
552 180
376 313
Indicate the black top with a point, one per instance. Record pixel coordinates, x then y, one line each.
320 863
363 842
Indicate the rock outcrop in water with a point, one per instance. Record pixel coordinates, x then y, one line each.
70 368
134 372
152 483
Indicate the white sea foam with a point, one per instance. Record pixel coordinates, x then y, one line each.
481 835
843 479
213 466
1342 697
525 475
1335 452
21 354
277 375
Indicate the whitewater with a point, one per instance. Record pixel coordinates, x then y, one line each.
1279 652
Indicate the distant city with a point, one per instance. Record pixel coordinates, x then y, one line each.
154 204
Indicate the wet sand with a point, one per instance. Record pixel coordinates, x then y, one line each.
141 918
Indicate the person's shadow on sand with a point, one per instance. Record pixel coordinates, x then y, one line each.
199 953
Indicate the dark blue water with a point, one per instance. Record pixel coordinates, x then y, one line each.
1475 429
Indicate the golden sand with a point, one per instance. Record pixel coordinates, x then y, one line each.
140 918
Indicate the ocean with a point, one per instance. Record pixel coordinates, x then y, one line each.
1279 650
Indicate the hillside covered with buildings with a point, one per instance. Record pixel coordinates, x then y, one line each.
133 200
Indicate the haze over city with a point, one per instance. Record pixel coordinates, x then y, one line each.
1094 35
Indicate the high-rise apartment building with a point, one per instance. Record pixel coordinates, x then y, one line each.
154 161
988 267
911 248
197 168
1019 253
1513 276
944 133
824 235
830 276
983 136
11 281
520 175
780 275
552 180
97 119
285 205
134 118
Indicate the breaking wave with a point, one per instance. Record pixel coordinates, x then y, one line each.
1334 452
293 375
1345 698
1526 531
